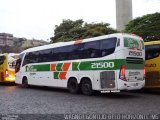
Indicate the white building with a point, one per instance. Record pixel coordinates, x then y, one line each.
6 39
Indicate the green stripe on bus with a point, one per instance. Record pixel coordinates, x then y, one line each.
45 67
134 66
104 65
56 75
59 67
75 65
88 65
34 68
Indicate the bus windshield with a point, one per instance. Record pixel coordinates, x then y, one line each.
12 61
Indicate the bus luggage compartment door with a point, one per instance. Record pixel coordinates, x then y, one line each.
107 79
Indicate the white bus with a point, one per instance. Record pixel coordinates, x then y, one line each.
108 63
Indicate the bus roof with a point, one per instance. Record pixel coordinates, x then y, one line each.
59 44
152 42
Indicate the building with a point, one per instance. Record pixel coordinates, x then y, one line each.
6 39
123 13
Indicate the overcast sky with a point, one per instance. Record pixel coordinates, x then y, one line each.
37 18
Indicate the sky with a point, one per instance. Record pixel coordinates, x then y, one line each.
37 18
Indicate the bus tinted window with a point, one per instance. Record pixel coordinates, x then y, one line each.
107 46
2 58
152 51
77 51
68 52
86 50
91 49
61 53
44 55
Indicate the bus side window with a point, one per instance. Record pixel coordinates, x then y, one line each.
77 52
147 56
107 46
35 57
91 49
58 54
151 54
44 55
156 54
69 52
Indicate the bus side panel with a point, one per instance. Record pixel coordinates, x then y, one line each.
152 73
43 79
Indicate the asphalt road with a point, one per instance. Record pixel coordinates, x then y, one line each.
40 100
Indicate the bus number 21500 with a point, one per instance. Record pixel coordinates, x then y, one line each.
102 65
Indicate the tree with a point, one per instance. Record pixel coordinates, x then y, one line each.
70 30
97 29
147 26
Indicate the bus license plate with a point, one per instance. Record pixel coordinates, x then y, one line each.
135 84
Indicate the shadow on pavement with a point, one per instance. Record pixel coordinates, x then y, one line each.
120 95
147 91
7 84
113 95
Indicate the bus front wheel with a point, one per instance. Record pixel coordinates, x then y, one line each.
73 86
24 82
86 87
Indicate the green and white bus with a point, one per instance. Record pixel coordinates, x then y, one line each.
108 63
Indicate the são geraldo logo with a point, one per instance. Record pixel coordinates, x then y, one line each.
30 69
134 43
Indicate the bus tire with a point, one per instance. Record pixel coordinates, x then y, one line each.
25 82
86 86
73 86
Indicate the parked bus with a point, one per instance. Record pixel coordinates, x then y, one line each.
7 67
108 63
152 64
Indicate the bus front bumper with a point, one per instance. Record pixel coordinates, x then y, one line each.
9 79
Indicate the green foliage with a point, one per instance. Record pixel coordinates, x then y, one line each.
147 26
97 29
70 30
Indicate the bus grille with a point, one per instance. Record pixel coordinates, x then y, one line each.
134 60
107 79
